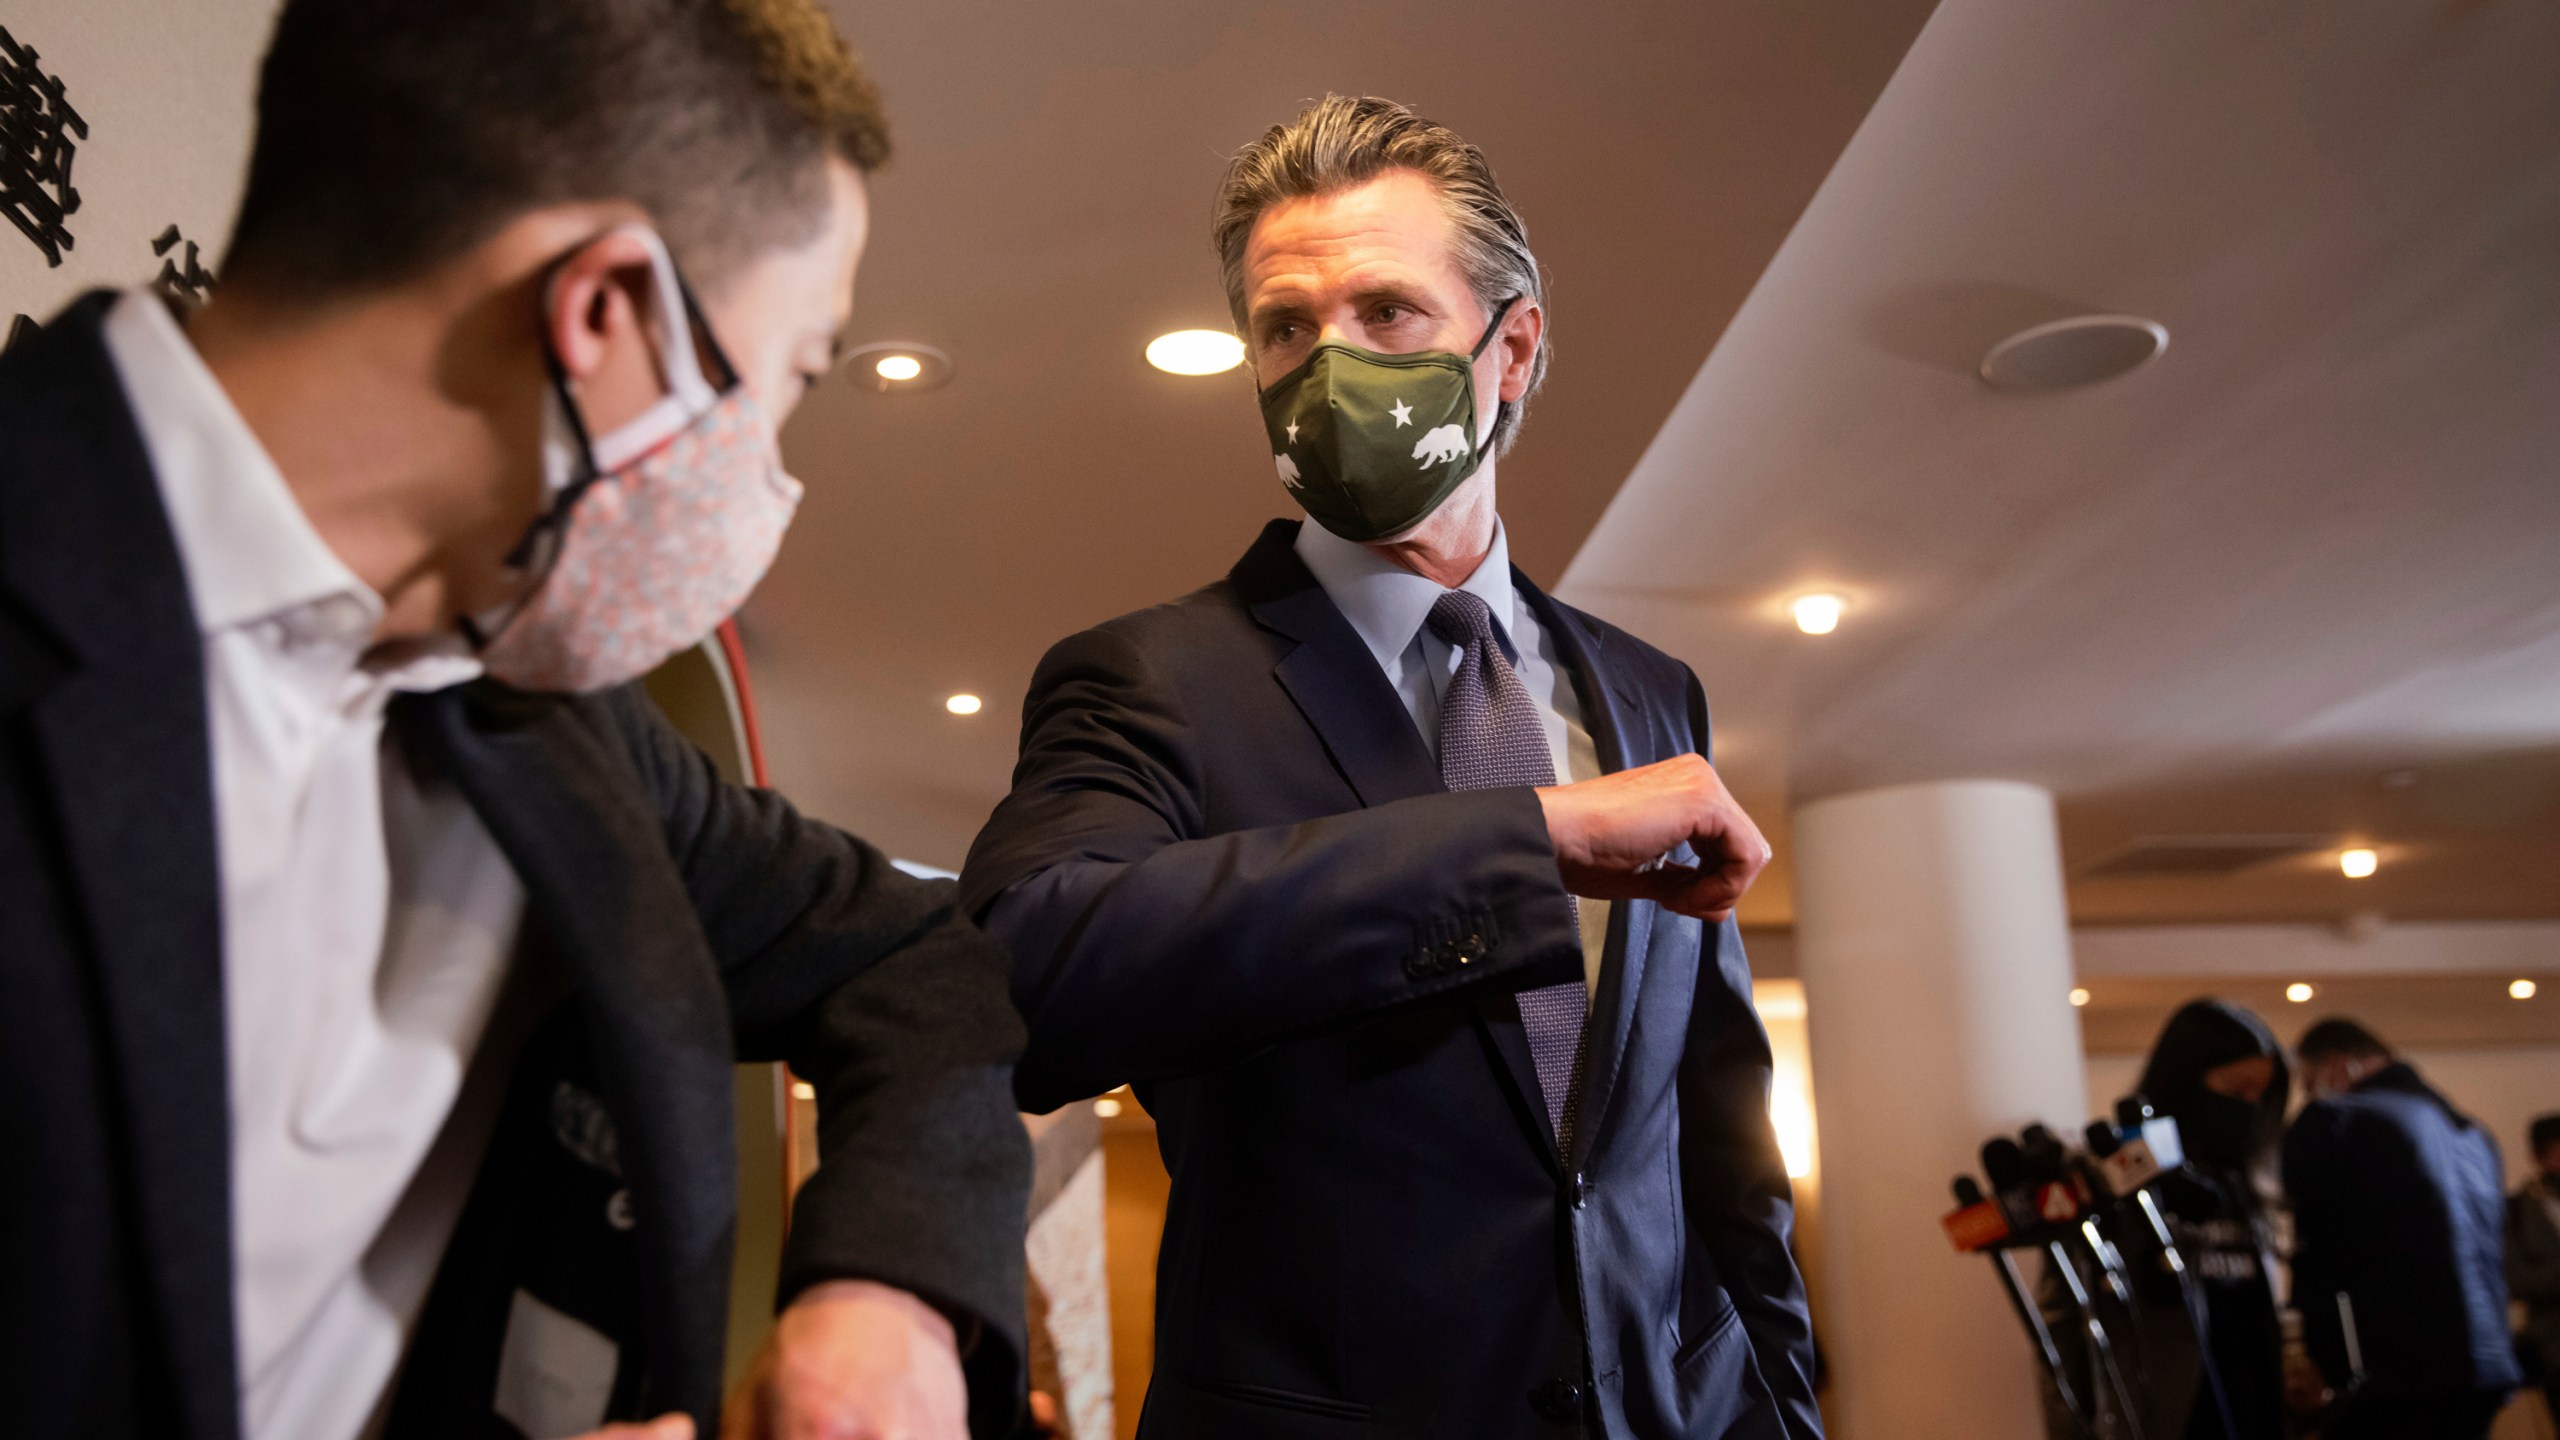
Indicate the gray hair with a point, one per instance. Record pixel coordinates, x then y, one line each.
1340 142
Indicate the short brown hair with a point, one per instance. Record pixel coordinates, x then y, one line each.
1340 142
2339 1038
396 134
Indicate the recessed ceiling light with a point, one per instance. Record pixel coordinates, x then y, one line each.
964 704
1818 614
2079 996
2297 992
2521 989
1195 352
898 367
2358 863
1106 1107
2082 350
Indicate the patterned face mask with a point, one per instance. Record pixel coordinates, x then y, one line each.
657 530
1370 444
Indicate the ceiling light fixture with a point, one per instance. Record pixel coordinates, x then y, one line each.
2079 996
1195 352
1107 1108
2082 350
2297 992
964 704
1818 614
2521 989
2358 863
898 367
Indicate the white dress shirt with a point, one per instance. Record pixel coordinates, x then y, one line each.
367 916
1388 604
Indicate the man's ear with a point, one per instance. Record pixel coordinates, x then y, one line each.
595 312
1522 329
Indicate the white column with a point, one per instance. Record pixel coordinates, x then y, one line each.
1936 954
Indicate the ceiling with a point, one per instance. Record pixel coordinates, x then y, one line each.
2299 575
1047 214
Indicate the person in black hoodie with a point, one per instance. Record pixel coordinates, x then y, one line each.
2218 1071
2398 1209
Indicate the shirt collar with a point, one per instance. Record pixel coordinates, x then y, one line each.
1387 603
249 551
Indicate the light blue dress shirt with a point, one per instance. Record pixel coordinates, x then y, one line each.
1387 604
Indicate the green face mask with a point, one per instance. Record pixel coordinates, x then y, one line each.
1371 444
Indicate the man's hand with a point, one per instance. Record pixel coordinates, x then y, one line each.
1610 832
854 1360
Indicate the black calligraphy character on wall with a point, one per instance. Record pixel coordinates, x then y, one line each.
191 284
22 331
38 133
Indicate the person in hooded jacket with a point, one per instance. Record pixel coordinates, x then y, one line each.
2218 1071
2223 1077
2399 1210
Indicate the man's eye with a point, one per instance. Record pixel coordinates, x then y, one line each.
1388 315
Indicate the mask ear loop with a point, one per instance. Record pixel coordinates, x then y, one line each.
1501 408
541 543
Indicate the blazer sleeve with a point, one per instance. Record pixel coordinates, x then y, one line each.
886 1000
1144 948
1741 1206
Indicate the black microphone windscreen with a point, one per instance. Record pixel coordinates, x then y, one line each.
2002 1163
2132 1110
1968 1190
2103 1140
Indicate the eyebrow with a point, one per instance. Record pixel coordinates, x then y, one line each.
1402 294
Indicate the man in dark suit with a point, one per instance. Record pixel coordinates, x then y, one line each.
2398 1207
2533 1258
1401 892
369 1023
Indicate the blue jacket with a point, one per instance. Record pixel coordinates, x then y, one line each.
2398 1204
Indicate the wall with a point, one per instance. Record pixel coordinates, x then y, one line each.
166 91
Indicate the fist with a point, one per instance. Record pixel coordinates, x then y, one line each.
1613 836
853 1360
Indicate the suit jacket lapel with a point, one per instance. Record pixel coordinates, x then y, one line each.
1623 738
571 814
1337 685
1332 676
121 730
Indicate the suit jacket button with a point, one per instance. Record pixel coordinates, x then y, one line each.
1558 1400
1581 1189
1421 965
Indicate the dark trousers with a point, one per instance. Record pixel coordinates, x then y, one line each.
2463 1416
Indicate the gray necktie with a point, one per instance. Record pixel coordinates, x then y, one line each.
1491 738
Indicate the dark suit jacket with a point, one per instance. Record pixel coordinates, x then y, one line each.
2533 1272
692 923
1231 875
2397 1203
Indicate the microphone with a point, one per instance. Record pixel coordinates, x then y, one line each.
1977 1223
2005 1166
2061 1196
2146 1147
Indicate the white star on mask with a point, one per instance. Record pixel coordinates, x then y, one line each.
1402 412
1293 432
